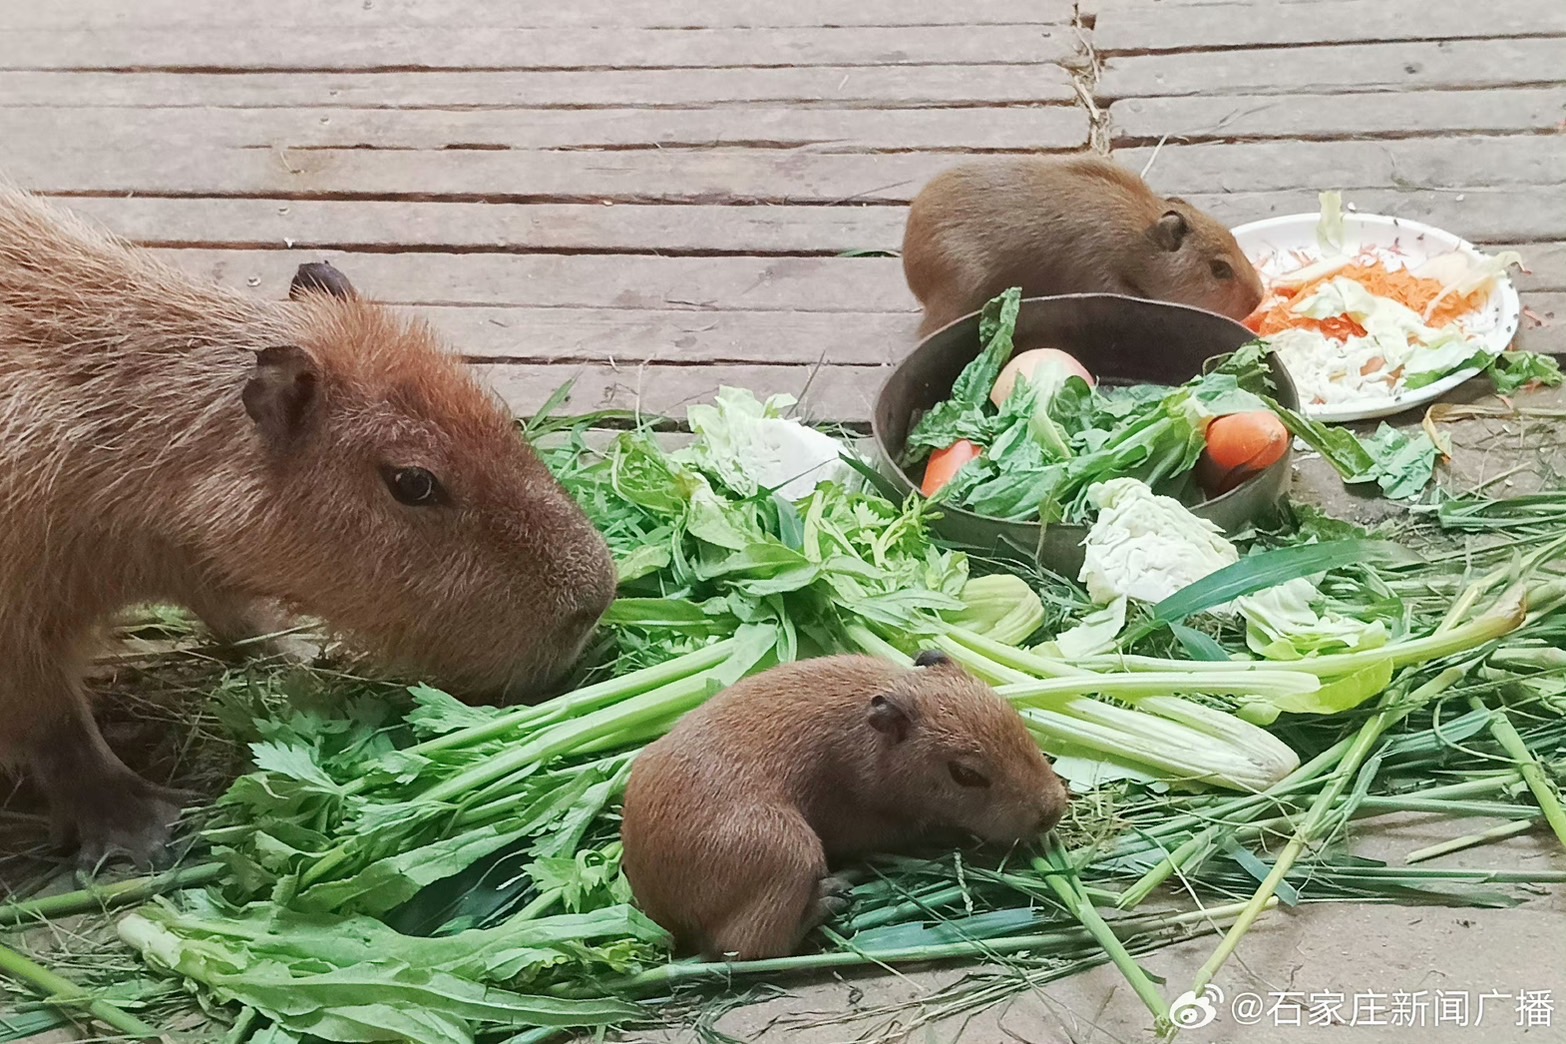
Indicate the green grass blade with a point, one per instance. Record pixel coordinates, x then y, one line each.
71 998
1055 867
1259 572
1532 772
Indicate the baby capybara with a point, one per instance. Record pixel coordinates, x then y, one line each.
733 819
1065 225
168 440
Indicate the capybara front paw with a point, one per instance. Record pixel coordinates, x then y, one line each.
832 899
133 819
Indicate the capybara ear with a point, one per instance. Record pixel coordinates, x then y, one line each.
281 397
319 277
889 717
1170 230
931 658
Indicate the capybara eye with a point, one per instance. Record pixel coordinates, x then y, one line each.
414 486
1221 270
964 776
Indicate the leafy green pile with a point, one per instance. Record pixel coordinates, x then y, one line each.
442 873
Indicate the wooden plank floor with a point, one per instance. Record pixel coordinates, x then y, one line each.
656 198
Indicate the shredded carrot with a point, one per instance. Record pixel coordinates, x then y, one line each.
1275 314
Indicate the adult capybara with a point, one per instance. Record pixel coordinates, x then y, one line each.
162 439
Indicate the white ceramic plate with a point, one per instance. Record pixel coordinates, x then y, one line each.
1491 329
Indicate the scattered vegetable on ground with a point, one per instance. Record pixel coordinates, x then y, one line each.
422 870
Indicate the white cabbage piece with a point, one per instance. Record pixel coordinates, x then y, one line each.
1095 634
1146 546
1283 623
749 445
1332 234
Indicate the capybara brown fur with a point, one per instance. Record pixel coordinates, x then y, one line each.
165 440
1065 226
733 819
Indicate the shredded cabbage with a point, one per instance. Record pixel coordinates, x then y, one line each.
1394 333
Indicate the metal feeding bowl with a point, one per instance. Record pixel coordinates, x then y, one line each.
1121 340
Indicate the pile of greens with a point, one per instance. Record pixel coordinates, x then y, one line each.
1046 446
439 873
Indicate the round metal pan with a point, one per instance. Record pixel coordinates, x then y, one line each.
1121 340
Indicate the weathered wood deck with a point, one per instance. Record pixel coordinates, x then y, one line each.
650 197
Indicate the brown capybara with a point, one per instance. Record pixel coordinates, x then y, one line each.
732 819
1065 226
169 440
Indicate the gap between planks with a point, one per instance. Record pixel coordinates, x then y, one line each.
832 86
1051 127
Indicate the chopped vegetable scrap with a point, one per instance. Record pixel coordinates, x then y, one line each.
1361 322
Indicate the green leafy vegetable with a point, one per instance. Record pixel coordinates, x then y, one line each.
962 415
1401 463
1513 370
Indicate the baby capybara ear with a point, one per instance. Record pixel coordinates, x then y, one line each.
1170 231
889 717
319 277
931 658
283 395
